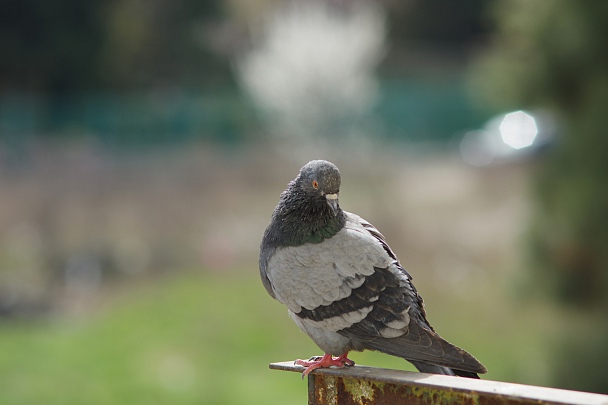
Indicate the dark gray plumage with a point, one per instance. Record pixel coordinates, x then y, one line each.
343 285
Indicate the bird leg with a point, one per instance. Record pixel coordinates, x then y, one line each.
324 362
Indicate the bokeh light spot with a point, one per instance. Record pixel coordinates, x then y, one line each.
518 129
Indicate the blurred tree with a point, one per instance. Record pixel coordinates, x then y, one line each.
71 45
49 46
166 43
440 34
440 22
553 55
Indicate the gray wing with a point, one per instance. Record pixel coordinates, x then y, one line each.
408 335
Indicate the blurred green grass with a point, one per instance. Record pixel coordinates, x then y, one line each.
200 337
184 340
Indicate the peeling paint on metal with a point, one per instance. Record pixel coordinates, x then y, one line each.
361 391
362 385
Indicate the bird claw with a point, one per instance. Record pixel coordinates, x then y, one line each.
325 361
348 362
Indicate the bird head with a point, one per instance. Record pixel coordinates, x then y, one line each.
320 179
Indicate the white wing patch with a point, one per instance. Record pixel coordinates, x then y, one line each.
342 321
396 327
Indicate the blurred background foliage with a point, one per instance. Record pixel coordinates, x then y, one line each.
143 146
566 70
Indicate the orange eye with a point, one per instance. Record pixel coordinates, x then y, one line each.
315 184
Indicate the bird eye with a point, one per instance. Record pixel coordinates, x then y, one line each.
315 184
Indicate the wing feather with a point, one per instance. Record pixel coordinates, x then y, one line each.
387 328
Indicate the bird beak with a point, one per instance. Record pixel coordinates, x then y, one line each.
332 201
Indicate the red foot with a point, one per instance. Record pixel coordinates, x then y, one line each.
323 362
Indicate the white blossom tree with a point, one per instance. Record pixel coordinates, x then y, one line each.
311 67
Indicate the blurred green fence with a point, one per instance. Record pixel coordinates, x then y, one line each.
433 109
128 119
407 109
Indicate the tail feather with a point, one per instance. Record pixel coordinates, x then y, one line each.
434 369
425 348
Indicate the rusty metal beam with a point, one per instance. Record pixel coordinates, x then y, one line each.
369 385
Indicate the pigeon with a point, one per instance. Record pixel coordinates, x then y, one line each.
343 285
